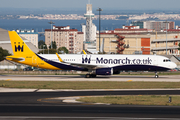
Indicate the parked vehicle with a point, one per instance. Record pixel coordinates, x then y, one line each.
173 70
178 69
28 69
42 69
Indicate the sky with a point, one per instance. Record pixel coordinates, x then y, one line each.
104 4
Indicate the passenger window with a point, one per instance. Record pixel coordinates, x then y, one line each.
166 60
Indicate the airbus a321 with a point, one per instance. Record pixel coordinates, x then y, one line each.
94 64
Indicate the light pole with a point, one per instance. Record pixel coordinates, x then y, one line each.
43 48
48 48
166 36
51 31
99 9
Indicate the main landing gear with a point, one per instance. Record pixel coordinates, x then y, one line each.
90 75
156 75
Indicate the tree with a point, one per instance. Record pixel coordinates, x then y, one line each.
54 46
3 54
41 44
64 49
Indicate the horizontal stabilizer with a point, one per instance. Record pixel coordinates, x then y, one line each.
15 58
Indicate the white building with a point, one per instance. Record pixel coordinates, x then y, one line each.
72 39
29 35
90 30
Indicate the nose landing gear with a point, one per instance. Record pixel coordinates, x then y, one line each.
156 75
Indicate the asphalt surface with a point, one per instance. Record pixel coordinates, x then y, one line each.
25 105
163 78
35 104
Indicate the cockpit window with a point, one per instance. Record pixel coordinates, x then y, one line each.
166 60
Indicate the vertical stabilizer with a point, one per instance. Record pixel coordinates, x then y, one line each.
19 47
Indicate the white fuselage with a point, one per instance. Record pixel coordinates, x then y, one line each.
114 60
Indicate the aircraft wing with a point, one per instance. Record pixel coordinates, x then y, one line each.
88 66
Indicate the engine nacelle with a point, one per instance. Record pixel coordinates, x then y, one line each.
104 71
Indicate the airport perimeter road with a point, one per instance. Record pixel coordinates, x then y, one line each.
25 105
163 78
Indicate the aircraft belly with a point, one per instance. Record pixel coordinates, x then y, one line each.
140 68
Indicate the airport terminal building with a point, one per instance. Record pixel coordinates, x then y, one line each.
140 41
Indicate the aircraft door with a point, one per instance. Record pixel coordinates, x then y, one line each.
155 60
34 60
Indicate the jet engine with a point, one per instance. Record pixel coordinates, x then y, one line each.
116 72
104 71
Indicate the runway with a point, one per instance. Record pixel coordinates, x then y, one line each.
163 78
25 105
32 103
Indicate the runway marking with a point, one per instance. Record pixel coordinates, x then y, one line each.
8 79
39 100
129 80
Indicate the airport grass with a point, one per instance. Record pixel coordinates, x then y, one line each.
88 85
134 100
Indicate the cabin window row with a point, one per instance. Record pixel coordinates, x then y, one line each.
69 60
166 60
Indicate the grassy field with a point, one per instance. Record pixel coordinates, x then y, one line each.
88 84
134 100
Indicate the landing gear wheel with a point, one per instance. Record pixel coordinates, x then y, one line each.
87 76
156 76
93 76
90 76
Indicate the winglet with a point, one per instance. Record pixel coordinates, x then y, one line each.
84 52
59 58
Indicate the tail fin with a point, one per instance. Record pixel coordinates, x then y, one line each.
19 47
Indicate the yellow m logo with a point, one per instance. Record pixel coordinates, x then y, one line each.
19 48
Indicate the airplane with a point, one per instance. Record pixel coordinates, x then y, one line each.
94 64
